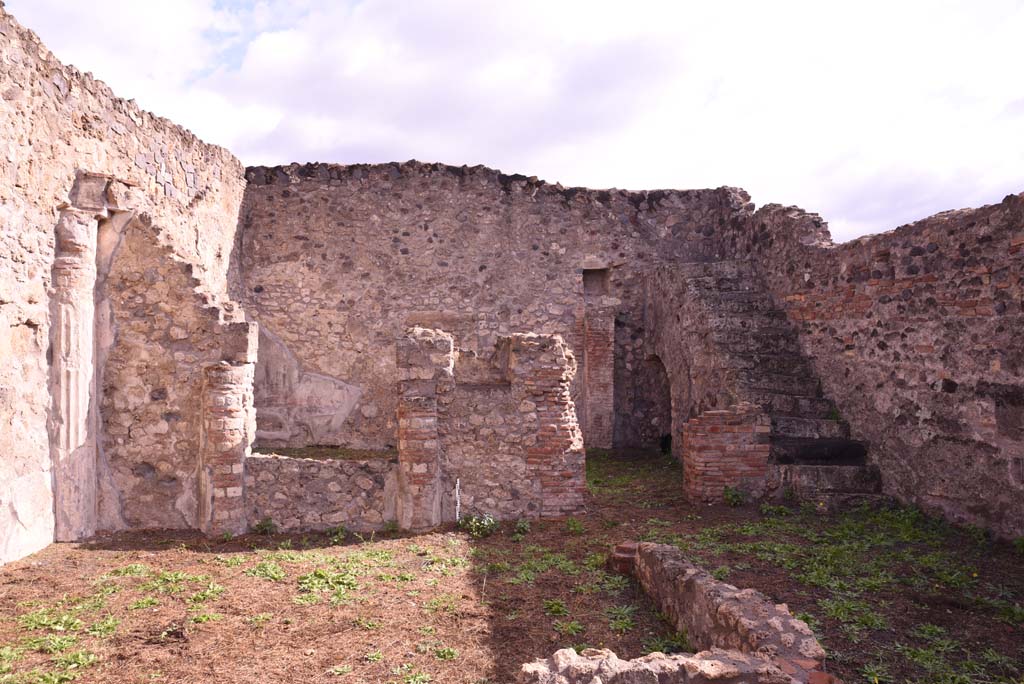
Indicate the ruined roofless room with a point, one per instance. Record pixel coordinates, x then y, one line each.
411 422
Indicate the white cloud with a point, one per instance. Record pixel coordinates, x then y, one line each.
872 114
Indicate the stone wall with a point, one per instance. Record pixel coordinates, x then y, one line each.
744 638
166 340
338 261
715 614
714 666
915 335
55 122
499 428
320 494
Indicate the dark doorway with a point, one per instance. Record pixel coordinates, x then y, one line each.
654 406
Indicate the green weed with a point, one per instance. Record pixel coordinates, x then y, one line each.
103 628
268 570
568 627
479 526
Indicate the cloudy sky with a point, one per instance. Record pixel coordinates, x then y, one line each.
872 114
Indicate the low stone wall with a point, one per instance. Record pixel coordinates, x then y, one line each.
314 494
718 615
726 448
596 666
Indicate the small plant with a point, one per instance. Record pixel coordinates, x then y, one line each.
339 670
445 603
171 581
205 617
373 656
574 526
733 496
212 591
145 602
721 572
521 529
133 570
445 653
479 526
620 618
1018 544
568 628
268 570
103 628
77 660
595 561
390 527
52 643
226 537
8 656
327 580
230 561
928 632
771 511
671 643
555 607
876 673
48 618
366 623
265 527
337 535
259 619
306 599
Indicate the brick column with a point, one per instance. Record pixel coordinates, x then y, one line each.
229 422
542 369
726 448
424 358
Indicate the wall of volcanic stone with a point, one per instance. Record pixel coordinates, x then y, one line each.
336 262
55 121
916 335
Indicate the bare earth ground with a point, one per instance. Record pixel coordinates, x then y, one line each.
894 596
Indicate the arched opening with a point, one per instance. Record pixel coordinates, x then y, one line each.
654 406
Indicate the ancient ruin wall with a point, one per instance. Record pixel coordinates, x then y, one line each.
320 494
167 340
488 434
337 261
915 334
55 121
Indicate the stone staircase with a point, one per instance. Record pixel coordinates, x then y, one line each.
811 448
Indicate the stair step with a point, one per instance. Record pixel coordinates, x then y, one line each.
813 428
743 343
790 364
818 452
794 385
716 283
744 306
777 403
807 480
763 325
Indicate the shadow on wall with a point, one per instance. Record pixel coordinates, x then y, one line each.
654 406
